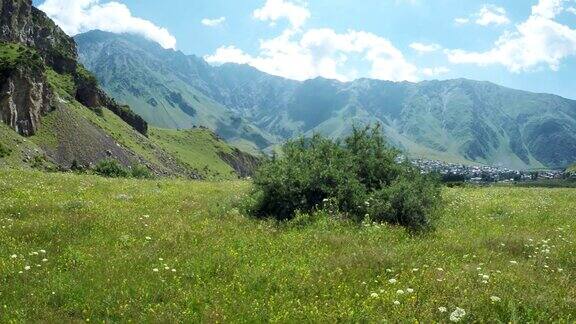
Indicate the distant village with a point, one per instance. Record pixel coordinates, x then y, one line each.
451 172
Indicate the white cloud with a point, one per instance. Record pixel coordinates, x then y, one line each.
78 16
213 22
275 10
490 14
538 41
571 10
435 71
461 21
425 48
322 52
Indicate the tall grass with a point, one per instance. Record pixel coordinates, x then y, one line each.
166 250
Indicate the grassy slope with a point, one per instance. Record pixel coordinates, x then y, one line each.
197 148
103 238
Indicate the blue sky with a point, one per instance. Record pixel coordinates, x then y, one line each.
524 44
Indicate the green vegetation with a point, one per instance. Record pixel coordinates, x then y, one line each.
63 84
197 148
359 177
112 169
13 55
77 248
4 151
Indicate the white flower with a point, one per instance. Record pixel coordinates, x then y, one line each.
43 251
495 299
44 260
400 292
485 277
13 256
148 238
513 262
160 259
410 290
439 269
155 270
173 270
374 295
457 315
166 268
392 281
442 309
27 268
396 303
415 270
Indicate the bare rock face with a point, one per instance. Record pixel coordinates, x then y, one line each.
24 97
21 23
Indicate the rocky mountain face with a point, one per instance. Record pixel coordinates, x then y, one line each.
24 86
454 120
53 113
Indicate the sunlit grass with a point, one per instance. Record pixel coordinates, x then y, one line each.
87 248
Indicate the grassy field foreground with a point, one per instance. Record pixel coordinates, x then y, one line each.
79 248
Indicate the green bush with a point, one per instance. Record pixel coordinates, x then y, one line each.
360 177
139 171
4 151
112 169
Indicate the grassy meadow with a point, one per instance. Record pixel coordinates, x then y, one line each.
83 248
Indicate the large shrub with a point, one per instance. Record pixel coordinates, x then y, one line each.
361 176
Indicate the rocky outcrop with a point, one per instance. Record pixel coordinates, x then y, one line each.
243 163
24 97
21 23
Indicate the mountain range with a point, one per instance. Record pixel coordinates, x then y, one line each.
454 120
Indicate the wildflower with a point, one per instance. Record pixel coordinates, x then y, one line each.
439 269
148 238
415 270
442 309
410 290
457 315
27 268
485 277
155 270
166 268
388 270
374 295
13 256
513 262
495 299
44 260
43 251
392 281
173 270
160 259
400 292
396 303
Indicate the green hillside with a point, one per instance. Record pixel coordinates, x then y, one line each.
453 120
84 248
151 80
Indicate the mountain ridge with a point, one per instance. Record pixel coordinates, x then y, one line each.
457 120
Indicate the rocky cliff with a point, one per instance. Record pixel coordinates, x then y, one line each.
26 94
